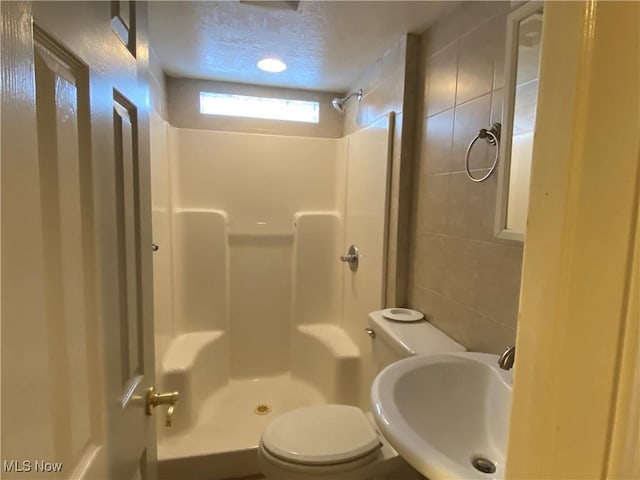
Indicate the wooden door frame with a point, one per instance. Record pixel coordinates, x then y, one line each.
580 240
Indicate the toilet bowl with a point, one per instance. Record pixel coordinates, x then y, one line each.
324 441
341 442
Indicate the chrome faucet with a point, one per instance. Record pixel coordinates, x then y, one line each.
507 358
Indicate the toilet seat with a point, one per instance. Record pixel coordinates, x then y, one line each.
321 435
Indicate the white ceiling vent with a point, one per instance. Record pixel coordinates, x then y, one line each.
291 5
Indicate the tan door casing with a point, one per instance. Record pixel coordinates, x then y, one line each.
576 306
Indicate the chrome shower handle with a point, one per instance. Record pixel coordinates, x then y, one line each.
352 258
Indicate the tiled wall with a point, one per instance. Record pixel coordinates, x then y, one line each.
382 84
157 87
464 279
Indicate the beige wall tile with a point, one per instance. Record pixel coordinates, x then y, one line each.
157 86
430 250
413 87
441 72
393 60
433 203
437 142
476 59
466 17
382 84
499 26
459 322
371 77
473 330
499 287
361 116
469 118
491 337
385 98
462 258
463 278
422 84
467 204
158 96
431 304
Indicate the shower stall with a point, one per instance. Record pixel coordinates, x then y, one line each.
255 314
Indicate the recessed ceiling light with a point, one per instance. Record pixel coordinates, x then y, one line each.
272 65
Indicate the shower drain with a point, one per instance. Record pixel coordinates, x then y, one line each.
262 409
483 465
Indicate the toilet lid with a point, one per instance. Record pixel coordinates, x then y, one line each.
321 435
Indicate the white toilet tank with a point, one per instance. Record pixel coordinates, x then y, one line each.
395 340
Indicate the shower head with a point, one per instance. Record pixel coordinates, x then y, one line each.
339 103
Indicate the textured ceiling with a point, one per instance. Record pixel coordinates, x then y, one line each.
326 45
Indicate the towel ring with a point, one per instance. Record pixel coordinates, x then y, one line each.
492 136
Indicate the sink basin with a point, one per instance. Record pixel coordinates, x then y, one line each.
445 412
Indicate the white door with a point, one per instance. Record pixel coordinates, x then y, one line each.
77 331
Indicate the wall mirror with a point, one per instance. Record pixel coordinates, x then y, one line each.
524 38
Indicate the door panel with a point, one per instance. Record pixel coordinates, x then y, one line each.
77 331
64 163
123 22
23 292
125 146
132 379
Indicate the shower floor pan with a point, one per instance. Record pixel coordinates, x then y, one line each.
224 440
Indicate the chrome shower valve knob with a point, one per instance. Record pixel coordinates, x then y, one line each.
352 258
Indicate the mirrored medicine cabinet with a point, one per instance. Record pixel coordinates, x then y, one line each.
522 65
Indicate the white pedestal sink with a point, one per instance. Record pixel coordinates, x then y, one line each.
445 412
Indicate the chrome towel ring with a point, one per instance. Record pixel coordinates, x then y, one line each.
492 136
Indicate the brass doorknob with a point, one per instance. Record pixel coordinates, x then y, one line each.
154 399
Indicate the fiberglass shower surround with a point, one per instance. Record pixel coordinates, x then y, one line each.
260 312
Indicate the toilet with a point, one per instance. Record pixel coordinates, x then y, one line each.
341 442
